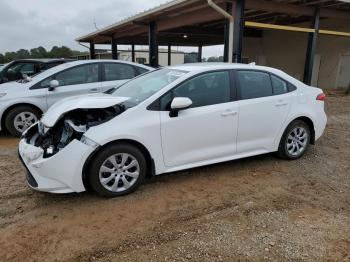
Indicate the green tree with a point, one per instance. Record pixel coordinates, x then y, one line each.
61 52
22 53
2 59
39 52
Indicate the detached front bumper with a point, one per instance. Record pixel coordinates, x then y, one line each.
60 173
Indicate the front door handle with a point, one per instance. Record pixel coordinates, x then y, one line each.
93 90
229 113
281 104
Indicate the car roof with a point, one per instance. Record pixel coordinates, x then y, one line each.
204 66
44 60
67 65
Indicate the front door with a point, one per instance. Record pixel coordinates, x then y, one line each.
83 79
208 129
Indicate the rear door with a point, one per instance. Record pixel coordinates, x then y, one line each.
115 74
82 79
264 103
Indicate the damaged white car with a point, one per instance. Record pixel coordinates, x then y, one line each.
167 120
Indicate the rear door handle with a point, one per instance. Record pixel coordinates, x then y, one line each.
93 90
281 103
229 112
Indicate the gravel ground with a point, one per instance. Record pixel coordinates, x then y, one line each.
259 208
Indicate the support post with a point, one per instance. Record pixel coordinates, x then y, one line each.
199 59
153 44
92 51
133 53
311 48
238 15
114 49
169 55
227 34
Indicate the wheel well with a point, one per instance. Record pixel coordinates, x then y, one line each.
14 106
141 147
310 124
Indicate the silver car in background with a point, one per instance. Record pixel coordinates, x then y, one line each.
23 102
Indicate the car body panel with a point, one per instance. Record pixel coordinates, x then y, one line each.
197 136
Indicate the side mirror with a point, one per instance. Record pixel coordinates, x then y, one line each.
53 85
179 103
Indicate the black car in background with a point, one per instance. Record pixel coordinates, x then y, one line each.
16 69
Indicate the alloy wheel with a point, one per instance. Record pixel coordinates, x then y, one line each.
24 120
297 141
119 172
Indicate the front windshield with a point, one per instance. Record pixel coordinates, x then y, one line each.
141 88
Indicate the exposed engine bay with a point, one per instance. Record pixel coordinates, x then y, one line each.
72 125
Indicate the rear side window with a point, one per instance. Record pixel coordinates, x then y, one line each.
254 84
78 75
115 71
279 86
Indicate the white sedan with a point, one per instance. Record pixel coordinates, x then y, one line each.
23 102
168 120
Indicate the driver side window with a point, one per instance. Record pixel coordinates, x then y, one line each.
204 90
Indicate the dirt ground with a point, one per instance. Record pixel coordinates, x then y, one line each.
259 208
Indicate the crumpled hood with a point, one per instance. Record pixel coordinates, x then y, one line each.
79 102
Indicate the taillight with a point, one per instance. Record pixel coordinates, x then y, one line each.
321 97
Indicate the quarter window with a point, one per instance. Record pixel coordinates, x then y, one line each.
78 75
207 89
115 71
254 84
279 86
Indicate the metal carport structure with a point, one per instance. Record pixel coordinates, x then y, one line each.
201 23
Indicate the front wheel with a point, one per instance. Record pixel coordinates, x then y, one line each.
117 170
295 140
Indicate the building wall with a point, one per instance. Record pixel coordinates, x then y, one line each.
176 57
287 51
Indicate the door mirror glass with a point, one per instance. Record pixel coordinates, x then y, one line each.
53 85
179 103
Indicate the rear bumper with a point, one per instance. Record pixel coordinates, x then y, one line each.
320 125
60 173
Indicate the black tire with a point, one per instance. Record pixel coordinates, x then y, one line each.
282 149
11 115
102 156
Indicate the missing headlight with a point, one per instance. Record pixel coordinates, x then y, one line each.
71 125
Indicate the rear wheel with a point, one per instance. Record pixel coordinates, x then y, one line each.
21 118
295 140
117 170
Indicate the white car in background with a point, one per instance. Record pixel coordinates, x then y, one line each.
168 120
23 102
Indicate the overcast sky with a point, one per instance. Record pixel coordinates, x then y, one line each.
33 23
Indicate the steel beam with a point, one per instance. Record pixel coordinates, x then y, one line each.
114 49
92 51
227 33
133 53
311 48
238 15
199 58
169 55
153 44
